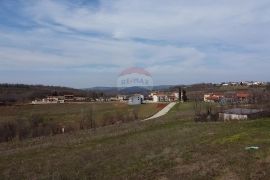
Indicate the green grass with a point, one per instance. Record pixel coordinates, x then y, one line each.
171 147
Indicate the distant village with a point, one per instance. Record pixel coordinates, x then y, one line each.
244 83
229 97
225 97
133 99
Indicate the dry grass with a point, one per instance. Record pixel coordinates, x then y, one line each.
171 147
70 113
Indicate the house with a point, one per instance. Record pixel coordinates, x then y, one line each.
165 96
50 100
213 97
80 99
160 98
113 99
122 97
69 98
176 95
243 96
136 99
229 97
240 114
100 99
152 94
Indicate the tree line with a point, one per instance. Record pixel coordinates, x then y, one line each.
21 93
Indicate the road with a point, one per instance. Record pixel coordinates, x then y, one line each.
162 112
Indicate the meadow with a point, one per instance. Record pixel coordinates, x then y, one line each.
48 119
71 112
171 147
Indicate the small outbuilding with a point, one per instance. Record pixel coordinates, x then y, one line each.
136 99
240 114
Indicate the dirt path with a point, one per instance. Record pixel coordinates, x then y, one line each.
162 112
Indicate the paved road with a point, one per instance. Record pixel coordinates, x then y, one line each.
162 112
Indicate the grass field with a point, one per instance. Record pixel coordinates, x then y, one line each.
72 113
171 147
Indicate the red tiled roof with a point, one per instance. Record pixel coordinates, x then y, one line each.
243 94
215 98
160 94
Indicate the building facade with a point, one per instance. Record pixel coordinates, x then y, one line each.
136 99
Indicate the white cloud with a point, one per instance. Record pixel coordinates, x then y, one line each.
201 40
157 19
76 51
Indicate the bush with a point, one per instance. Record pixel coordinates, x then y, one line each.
32 127
120 117
108 119
7 130
55 128
23 129
136 113
206 117
37 125
87 120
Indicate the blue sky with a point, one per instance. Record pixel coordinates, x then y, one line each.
86 43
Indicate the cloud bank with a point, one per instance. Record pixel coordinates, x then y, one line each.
84 44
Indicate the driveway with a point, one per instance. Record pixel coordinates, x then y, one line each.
162 112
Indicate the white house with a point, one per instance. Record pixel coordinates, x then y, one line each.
160 98
121 97
136 99
166 97
239 114
50 100
155 98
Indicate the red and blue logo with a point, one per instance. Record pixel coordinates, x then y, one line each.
135 77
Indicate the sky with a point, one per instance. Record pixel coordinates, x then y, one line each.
87 43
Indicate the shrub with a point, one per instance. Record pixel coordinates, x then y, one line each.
23 128
87 120
37 125
136 113
120 117
7 130
108 119
34 126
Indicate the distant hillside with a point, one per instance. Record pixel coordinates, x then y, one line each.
21 93
130 90
11 93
